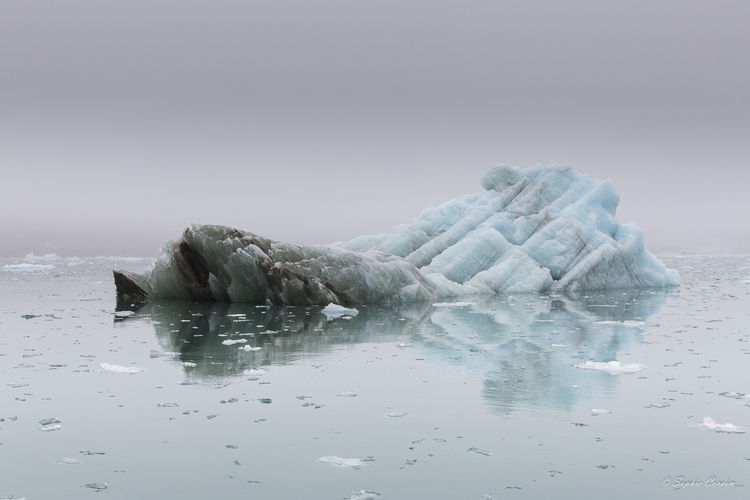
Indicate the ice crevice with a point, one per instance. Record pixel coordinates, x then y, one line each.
533 229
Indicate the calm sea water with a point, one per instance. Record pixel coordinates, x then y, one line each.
486 398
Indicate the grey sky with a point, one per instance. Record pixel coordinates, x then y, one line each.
123 122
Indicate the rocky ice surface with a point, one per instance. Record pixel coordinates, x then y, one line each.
534 229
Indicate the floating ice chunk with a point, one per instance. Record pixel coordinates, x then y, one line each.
106 367
737 395
124 314
709 423
333 311
166 405
50 428
612 367
599 411
348 394
396 414
256 372
365 495
49 421
96 486
66 460
354 463
232 342
480 451
248 348
189 364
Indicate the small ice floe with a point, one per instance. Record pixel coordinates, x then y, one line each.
612 367
166 405
365 495
189 364
396 414
404 345
96 486
231 342
66 460
124 314
333 311
354 463
255 372
248 348
480 451
347 394
453 304
710 424
50 428
745 398
106 367
49 421
599 411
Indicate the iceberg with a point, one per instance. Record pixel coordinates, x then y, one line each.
543 228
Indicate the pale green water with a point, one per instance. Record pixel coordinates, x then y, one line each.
496 376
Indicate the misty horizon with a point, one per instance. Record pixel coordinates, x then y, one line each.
120 125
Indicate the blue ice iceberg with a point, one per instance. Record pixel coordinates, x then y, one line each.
534 229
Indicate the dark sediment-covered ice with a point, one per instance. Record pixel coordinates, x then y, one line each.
534 229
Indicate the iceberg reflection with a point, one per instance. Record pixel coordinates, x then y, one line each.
524 346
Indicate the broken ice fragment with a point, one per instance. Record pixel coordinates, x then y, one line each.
348 394
166 405
480 451
354 463
599 411
333 311
50 421
50 428
396 414
96 486
106 367
248 348
612 367
709 423
365 495
231 342
66 460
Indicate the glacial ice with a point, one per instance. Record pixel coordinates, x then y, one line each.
106 367
534 229
711 424
354 463
612 367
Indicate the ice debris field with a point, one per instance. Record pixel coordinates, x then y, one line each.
533 230
626 393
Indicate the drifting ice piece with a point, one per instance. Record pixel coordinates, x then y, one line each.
534 229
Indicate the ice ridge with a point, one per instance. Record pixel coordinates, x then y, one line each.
534 229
